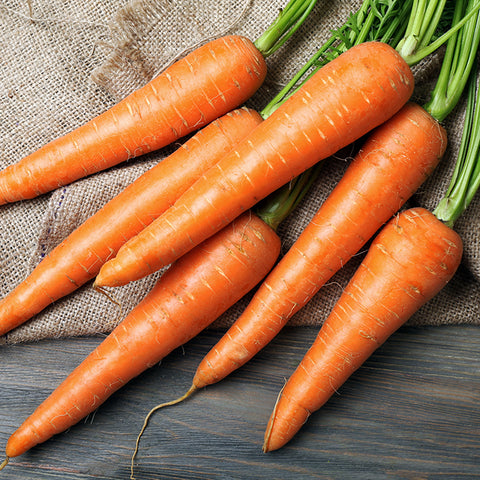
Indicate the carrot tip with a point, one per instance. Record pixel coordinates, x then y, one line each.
191 390
110 296
4 463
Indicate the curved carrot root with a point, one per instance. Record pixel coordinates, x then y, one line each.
392 164
345 99
186 96
79 257
187 298
409 262
189 392
4 463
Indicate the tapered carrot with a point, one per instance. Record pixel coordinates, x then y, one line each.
79 257
190 295
414 256
345 99
408 263
394 161
204 85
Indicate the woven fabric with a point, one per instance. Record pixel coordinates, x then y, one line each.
64 62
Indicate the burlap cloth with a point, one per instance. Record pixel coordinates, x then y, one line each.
64 62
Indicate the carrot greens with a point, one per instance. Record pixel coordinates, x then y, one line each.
285 25
466 176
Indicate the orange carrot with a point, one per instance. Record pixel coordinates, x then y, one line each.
189 296
79 257
408 263
345 99
209 82
187 95
394 161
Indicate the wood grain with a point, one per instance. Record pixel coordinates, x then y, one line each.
411 412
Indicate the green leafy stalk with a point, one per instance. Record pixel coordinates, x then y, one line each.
460 57
466 176
425 29
278 205
285 25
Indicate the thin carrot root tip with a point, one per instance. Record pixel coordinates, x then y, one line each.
4 463
191 390
110 296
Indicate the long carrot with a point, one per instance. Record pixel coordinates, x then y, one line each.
345 99
78 258
207 83
408 263
395 160
190 295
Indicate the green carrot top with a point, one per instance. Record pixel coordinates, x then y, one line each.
284 26
466 176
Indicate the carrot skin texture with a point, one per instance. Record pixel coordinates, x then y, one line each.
348 97
408 263
207 83
79 257
392 164
190 295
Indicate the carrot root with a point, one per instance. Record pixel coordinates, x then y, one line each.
4 463
190 391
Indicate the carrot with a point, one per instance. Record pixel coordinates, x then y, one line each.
79 257
394 161
190 295
345 99
408 263
204 85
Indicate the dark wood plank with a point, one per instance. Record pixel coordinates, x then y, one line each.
411 412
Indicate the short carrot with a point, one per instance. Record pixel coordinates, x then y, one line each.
408 263
345 99
206 84
78 258
190 295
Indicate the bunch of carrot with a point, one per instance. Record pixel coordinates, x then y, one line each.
215 261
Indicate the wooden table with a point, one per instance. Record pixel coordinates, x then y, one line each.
411 412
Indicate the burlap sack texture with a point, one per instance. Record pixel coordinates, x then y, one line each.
64 62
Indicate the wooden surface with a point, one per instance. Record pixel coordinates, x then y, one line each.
411 412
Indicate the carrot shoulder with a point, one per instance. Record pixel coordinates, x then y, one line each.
190 295
186 96
345 99
79 257
408 263
392 164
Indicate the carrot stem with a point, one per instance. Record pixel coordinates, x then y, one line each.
285 25
413 51
4 463
460 56
466 176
